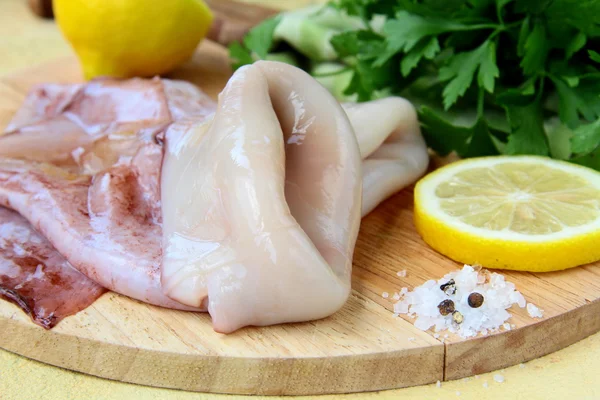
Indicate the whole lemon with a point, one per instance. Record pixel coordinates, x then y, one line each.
126 38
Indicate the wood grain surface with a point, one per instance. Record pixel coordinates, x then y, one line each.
363 347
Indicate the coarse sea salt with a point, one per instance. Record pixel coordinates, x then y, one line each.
401 274
534 312
498 296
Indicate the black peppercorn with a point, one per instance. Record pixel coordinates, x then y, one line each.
446 307
449 287
475 300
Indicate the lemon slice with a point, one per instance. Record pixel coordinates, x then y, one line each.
524 213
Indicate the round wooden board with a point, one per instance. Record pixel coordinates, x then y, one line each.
363 347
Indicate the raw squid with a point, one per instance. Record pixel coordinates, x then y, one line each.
390 142
36 277
255 214
261 204
97 198
267 203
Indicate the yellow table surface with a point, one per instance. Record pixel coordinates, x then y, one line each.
569 373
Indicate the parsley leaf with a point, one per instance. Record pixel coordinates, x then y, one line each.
583 15
260 38
499 6
480 143
365 45
444 137
406 30
524 32
576 44
584 100
591 160
457 10
239 55
257 43
461 70
594 55
535 50
366 9
586 138
532 6
367 79
488 70
427 48
346 43
527 130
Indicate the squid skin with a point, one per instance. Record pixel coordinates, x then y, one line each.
262 203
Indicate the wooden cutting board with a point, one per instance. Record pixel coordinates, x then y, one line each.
363 347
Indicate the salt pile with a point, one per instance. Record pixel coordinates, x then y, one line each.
463 318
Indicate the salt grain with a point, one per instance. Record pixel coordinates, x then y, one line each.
411 339
458 393
396 297
534 312
422 303
436 335
499 378
385 295
438 384
401 308
486 384
521 365
401 274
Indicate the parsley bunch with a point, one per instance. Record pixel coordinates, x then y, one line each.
488 76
